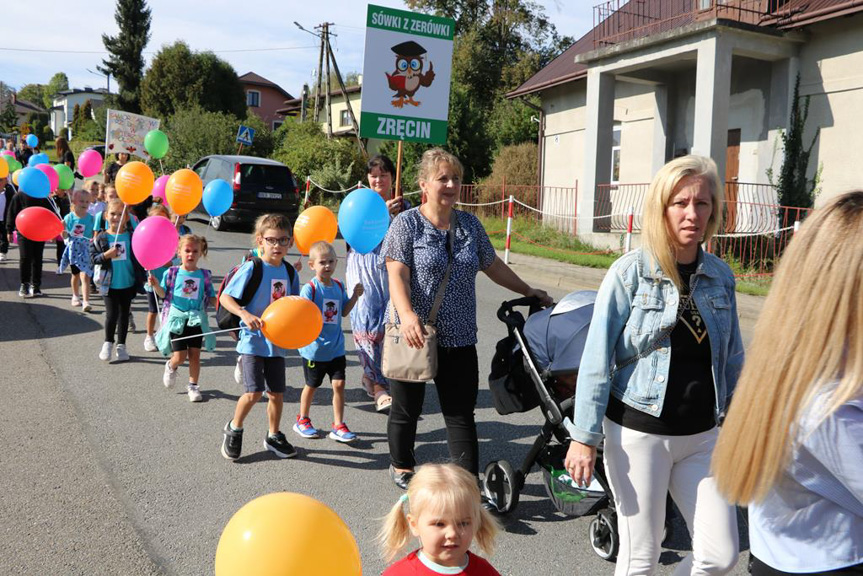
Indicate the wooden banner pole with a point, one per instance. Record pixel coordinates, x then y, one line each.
399 170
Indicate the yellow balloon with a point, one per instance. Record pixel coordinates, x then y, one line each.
285 534
134 182
184 190
4 167
15 175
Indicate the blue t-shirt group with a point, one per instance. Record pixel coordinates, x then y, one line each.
122 271
330 300
79 227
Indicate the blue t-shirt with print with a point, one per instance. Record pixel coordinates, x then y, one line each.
122 272
274 285
79 227
330 300
190 289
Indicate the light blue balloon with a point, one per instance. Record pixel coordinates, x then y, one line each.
37 159
32 140
363 220
35 183
218 197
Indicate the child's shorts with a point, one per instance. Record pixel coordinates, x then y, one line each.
191 342
263 373
314 371
152 305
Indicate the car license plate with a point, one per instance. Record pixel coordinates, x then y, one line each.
270 195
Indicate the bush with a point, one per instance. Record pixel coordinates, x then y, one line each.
514 165
91 131
306 150
47 134
64 133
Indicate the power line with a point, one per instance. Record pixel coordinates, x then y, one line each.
49 51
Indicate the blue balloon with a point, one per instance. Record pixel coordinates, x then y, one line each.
364 220
33 182
218 197
32 140
37 159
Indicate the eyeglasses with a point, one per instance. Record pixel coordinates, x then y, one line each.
283 241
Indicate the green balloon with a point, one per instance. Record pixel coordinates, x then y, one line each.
13 163
156 144
67 176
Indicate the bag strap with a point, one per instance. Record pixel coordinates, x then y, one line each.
208 281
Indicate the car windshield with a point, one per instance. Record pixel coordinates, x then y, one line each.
257 174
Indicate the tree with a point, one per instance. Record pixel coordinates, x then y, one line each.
179 78
33 93
8 117
126 51
76 120
87 111
58 83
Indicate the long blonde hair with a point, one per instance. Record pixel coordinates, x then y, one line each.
656 235
450 491
808 339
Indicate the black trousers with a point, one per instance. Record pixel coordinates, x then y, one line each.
30 261
4 238
59 249
118 303
457 383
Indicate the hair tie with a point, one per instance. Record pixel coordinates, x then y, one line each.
403 498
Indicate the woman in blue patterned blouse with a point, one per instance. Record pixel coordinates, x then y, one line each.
416 254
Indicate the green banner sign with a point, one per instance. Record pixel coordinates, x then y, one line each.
410 23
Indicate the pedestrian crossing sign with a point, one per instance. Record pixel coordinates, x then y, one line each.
245 135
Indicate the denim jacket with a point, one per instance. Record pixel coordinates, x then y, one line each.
635 303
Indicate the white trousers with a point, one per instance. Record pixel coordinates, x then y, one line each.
641 469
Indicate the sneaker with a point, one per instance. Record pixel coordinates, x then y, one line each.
3 257
121 354
232 443
132 327
85 306
34 291
278 445
304 428
341 433
24 291
105 353
150 343
170 375
75 301
238 372
194 393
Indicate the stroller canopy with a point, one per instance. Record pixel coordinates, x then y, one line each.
556 335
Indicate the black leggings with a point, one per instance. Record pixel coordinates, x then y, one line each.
118 303
60 248
457 383
30 263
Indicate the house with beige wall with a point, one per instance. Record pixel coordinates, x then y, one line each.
652 81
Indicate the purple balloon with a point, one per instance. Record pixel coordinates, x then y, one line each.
159 188
154 242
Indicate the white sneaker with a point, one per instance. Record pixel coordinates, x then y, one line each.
194 393
149 343
122 355
3 257
105 353
75 301
238 372
170 375
85 306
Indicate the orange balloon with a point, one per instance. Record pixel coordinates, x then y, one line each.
4 167
15 175
315 224
283 534
183 191
292 322
134 182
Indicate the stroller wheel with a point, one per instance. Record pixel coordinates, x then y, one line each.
501 485
603 535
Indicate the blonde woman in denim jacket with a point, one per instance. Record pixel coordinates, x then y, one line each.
661 360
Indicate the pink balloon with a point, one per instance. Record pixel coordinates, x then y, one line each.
154 242
53 177
159 188
89 163
7 153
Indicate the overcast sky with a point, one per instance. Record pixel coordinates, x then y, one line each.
282 53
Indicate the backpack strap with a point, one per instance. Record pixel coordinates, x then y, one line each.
312 284
169 293
208 281
254 280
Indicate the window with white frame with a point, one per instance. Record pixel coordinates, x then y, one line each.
615 153
344 118
253 98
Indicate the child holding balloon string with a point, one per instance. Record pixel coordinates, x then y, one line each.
187 291
326 355
263 363
112 250
78 233
30 252
443 510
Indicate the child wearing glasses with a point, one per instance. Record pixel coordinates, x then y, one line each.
263 363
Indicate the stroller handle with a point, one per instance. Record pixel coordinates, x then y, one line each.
506 308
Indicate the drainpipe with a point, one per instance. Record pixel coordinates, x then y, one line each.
815 15
541 148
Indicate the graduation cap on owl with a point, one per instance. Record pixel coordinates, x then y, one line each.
408 75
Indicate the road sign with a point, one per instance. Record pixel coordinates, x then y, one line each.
245 135
406 76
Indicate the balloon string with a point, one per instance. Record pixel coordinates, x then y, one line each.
122 216
198 336
161 167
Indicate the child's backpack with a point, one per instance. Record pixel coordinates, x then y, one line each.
226 320
312 284
169 291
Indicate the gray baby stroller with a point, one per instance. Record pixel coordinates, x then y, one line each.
536 365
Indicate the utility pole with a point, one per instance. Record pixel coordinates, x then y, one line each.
344 90
318 85
325 39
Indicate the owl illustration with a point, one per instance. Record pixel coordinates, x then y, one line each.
408 75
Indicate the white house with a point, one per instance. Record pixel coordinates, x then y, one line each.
64 105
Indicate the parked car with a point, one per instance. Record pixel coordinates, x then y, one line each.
100 148
260 186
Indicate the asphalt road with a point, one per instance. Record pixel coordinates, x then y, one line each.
107 472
